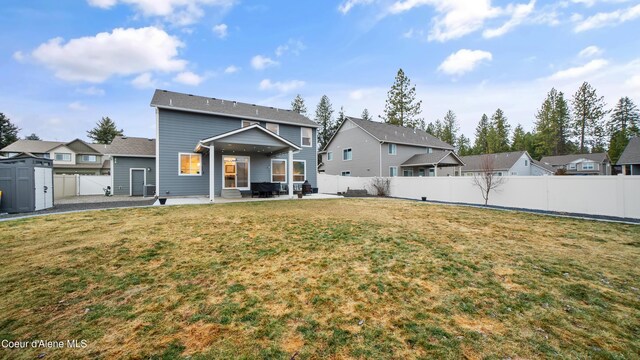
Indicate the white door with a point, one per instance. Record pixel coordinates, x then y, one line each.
43 182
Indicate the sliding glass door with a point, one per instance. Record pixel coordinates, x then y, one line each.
236 172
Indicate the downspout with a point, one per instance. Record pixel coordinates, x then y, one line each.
380 158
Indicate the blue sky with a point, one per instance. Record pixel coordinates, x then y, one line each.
65 64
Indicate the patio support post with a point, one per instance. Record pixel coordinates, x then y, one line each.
435 170
290 174
212 178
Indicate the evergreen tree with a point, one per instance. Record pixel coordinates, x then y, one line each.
104 132
33 136
341 117
481 144
498 138
401 107
623 125
464 145
588 114
617 143
324 118
298 105
438 129
365 115
450 128
8 131
552 126
518 141
431 129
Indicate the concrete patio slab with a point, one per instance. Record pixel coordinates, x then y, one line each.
219 200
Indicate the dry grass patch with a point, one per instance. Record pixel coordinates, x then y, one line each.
349 278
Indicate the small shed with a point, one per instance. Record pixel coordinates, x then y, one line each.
26 182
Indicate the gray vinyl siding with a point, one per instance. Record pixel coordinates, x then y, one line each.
403 153
121 174
180 132
365 151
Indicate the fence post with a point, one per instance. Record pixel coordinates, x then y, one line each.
77 177
621 210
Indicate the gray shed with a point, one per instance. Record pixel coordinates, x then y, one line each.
26 182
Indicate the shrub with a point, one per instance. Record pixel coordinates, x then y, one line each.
380 186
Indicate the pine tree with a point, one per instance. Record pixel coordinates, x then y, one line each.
498 138
464 145
104 132
481 144
297 105
324 118
401 107
33 136
552 125
588 114
449 128
431 129
623 125
438 129
365 115
8 131
518 141
341 117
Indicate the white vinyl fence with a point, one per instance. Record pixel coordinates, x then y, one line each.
76 185
617 196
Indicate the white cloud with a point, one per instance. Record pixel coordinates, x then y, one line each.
463 61
18 56
121 52
144 81
188 78
360 94
178 12
91 91
519 13
260 62
347 5
286 86
231 69
77 106
580 71
220 30
292 46
590 51
608 19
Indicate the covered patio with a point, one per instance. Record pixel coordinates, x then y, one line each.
429 164
234 155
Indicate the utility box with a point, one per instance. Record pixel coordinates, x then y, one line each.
26 182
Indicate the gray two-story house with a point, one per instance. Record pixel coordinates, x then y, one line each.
370 148
213 147
580 164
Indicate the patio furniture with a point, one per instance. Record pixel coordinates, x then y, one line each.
265 189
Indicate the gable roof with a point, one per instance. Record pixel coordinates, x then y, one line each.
397 134
430 159
132 146
631 153
33 146
566 159
164 99
543 166
256 127
82 147
501 161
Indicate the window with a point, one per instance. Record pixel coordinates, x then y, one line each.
421 172
89 158
572 166
392 149
274 128
299 170
190 164
46 156
345 173
588 166
347 154
306 134
526 162
393 171
246 123
329 155
278 170
63 157
429 150
407 172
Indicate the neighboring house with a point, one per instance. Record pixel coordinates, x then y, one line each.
370 148
580 164
73 157
133 165
209 146
630 157
516 163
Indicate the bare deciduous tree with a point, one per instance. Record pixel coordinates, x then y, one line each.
487 179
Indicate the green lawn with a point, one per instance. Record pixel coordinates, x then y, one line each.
348 278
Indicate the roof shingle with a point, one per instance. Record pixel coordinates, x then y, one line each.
400 135
566 159
631 153
501 161
134 146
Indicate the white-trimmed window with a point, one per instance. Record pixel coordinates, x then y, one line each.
45 155
89 158
345 173
246 123
190 164
392 149
407 172
329 155
526 162
278 170
572 166
299 170
393 171
588 166
274 128
63 157
306 134
347 154
429 150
